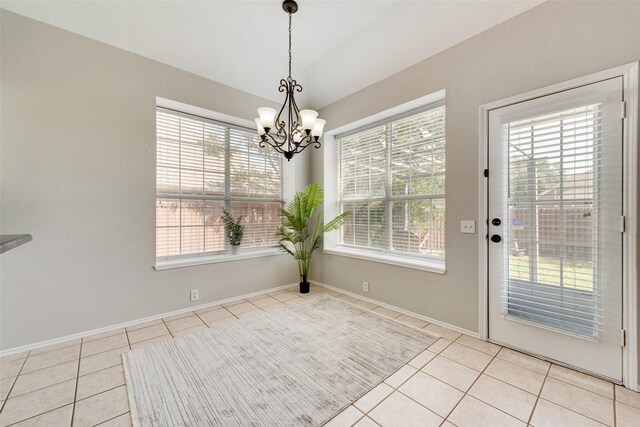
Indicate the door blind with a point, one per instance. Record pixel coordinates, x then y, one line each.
391 179
203 166
553 216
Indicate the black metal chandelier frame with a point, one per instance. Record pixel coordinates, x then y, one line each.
288 136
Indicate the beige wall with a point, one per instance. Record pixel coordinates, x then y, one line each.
78 172
549 44
77 167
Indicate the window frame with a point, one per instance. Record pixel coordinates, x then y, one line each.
286 192
332 202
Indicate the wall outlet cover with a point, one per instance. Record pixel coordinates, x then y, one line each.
468 227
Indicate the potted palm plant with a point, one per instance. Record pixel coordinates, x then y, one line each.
301 229
233 229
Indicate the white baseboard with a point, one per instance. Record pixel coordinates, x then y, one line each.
400 310
84 334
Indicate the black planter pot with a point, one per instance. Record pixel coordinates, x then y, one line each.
304 287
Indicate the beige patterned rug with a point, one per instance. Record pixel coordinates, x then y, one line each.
297 365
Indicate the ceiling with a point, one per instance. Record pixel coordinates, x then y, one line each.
339 47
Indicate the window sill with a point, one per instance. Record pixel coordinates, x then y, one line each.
385 258
213 259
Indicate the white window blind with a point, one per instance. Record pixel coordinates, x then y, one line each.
391 177
554 209
203 166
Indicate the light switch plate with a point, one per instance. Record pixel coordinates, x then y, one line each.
468 227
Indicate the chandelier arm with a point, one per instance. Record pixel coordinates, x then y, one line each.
287 101
282 134
284 87
296 86
272 142
262 144
301 147
286 130
276 139
294 106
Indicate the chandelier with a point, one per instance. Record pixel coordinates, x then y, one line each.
290 130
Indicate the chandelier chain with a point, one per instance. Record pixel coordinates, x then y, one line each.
289 44
289 130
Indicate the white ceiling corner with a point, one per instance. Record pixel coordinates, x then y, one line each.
339 47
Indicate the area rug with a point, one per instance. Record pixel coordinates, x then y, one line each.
296 365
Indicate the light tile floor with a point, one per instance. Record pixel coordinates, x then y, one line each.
458 381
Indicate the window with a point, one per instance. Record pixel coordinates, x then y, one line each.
391 177
202 167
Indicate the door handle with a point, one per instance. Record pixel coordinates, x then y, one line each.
495 238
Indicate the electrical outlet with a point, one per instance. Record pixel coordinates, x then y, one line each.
365 286
194 295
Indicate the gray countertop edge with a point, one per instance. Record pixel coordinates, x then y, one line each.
11 241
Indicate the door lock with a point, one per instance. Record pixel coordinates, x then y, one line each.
495 238
496 221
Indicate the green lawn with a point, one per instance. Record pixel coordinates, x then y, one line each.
576 274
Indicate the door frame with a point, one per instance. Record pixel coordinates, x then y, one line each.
629 73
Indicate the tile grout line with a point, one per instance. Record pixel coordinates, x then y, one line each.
615 412
494 357
193 313
411 398
57 347
81 336
571 410
396 388
52 366
564 407
205 323
113 333
466 393
582 388
126 334
506 383
371 419
111 419
64 381
15 380
40 414
538 396
75 393
97 394
519 366
167 328
381 382
47 367
104 391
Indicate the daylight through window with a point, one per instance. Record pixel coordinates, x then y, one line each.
391 177
203 166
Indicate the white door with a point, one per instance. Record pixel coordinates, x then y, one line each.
555 238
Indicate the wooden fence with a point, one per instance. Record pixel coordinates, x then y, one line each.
562 232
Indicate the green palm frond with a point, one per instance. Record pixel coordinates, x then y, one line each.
295 223
314 196
335 223
285 249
